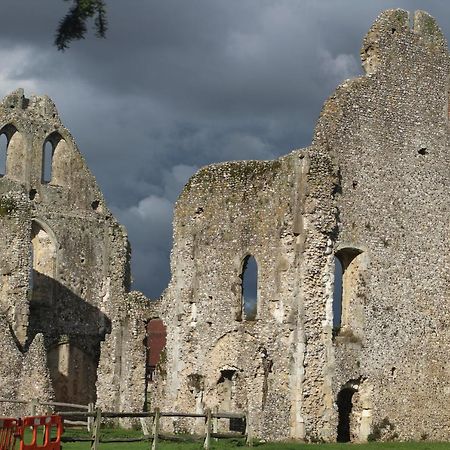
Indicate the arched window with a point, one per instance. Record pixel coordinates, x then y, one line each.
3 152
347 264
13 153
249 288
43 254
56 159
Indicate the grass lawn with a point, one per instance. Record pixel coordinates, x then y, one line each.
229 444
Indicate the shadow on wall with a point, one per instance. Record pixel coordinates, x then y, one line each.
73 330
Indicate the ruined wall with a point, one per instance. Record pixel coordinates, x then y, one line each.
64 266
388 132
372 191
280 213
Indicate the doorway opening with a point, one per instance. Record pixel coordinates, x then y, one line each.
345 405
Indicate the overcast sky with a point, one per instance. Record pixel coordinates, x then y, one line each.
179 84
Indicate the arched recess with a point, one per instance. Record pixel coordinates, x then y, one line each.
249 290
56 160
16 157
43 264
347 313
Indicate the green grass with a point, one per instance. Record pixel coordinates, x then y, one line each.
229 444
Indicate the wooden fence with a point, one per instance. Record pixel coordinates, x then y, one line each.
34 403
93 418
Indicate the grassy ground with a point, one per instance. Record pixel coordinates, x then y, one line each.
230 444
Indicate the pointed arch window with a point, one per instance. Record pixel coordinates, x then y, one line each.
55 160
13 153
43 264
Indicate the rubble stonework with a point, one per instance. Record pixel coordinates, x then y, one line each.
367 202
64 268
372 191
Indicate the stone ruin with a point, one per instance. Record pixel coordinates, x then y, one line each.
348 339
66 313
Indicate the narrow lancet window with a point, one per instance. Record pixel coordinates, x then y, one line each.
47 162
250 288
337 294
347 270
3 151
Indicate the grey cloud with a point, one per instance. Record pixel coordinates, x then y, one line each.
180 84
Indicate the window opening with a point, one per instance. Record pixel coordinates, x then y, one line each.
42 262
250 288
346 271
47 162
3 152
225 390
337 295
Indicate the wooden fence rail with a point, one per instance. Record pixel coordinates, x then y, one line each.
34 403
210 426
94 418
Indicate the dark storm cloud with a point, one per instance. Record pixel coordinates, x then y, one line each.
179 84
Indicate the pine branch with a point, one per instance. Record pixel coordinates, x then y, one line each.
74 25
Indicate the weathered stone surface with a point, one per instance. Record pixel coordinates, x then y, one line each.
372 190
317 362
64 271
35 381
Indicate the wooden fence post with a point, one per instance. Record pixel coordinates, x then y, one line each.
215 422
90 420
155 429
96 429
207 443
144 426
248 430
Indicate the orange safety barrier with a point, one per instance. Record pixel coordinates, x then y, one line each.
10 430
45 424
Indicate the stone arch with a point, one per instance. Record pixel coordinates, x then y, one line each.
344 403
249 288
231 379
349 264
42 263
354 405
16 158
56 160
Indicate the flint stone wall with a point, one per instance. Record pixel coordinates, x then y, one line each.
372 190
65 265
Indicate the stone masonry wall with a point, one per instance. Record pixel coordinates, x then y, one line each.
373 192
388 132
215 358
65 259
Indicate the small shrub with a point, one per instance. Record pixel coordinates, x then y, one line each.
7 206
